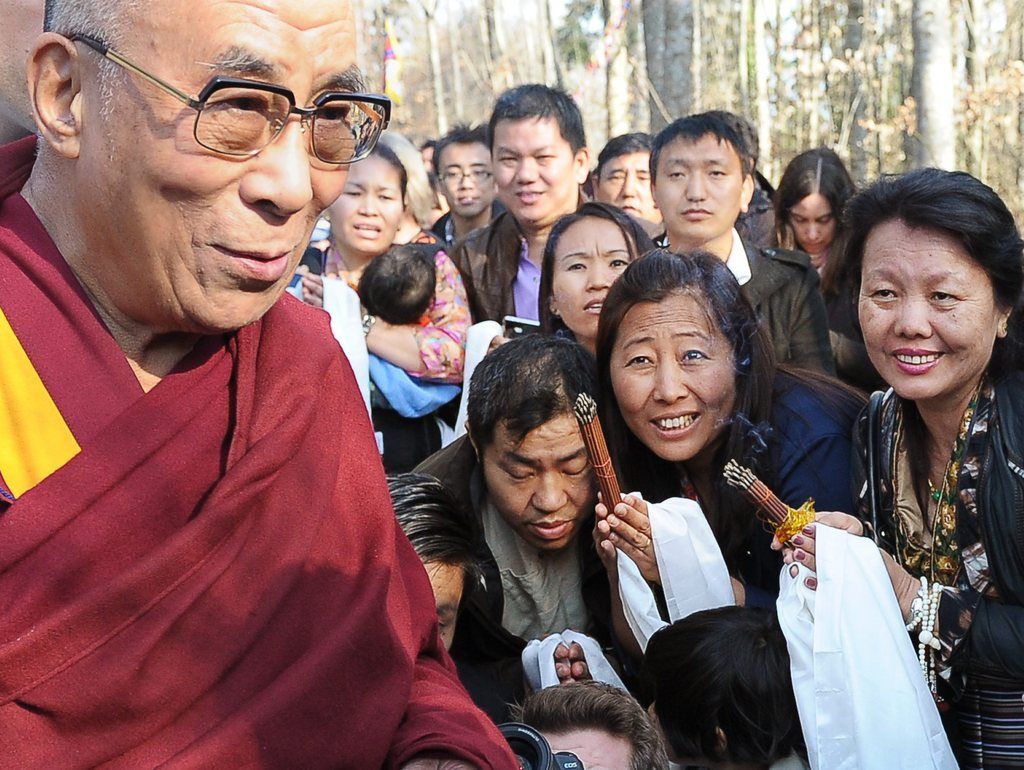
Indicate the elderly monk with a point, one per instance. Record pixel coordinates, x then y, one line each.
199 564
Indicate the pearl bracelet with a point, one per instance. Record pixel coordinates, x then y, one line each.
928 642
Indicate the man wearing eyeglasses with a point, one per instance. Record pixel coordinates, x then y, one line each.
462 158
199 563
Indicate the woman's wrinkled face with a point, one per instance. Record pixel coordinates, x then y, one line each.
674 376
367 214
928 313
589 256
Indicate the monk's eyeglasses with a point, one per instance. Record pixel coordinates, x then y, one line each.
240 117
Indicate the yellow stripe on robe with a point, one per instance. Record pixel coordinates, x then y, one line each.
35 440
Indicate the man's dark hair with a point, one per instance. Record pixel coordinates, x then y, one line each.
596 706
461 134
525 383
440 529
725 669
745 130
398 286
534 100
693 128
967 210
626 144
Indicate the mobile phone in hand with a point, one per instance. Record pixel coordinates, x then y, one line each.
516 327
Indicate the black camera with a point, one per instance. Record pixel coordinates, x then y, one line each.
533 752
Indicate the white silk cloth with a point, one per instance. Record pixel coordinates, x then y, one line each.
863 700
693 572
539 660
478 341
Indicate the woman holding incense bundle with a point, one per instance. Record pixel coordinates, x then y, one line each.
689 381
937 260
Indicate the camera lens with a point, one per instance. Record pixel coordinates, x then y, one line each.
529 746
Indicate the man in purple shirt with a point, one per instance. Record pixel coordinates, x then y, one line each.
540 158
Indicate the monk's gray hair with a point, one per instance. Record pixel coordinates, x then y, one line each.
104 20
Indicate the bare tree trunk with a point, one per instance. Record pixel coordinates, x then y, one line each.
744 55
441 114
697 56
617 75
458 91
654 53
977 62
857 131
673 77
762 77
931 85
547 44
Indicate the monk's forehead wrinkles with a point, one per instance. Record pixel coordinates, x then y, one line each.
312 16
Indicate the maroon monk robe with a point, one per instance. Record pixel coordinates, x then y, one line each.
217 578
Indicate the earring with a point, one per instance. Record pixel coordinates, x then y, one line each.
1005 328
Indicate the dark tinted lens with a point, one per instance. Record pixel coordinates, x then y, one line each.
241 121
345 130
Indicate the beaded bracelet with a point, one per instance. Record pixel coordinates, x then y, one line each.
928 643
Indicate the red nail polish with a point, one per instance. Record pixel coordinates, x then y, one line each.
809 529
798 540
800 555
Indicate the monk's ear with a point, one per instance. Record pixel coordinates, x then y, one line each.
55 85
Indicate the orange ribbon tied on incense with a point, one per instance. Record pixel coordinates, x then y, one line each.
784 521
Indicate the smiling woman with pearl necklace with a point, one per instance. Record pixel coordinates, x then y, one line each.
936 258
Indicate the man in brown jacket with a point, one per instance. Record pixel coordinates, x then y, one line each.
540 157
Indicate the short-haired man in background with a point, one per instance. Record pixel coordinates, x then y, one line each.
702 180
463 160
523 472
602 725
623 178
756 225
201 567
540 157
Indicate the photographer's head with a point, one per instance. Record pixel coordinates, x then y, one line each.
602 725
522 426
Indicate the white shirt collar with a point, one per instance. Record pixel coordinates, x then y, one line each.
738 263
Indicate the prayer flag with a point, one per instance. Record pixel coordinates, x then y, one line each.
392 66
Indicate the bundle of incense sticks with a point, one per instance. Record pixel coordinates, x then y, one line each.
784 521
597 450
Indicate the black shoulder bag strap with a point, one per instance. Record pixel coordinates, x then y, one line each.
874 461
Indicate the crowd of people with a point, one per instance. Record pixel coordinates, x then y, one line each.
225 316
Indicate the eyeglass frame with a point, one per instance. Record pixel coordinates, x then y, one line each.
220 82
485 173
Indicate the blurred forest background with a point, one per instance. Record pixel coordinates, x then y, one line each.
888 84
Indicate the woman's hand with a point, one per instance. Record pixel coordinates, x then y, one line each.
313 289
904 585
628 528
801 549
571 664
